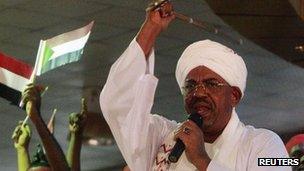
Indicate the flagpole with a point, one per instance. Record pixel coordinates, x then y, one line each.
50 124
33 77
25 120
37 62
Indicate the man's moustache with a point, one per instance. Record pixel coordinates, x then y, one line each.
202 102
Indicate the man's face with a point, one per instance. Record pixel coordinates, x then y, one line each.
209 95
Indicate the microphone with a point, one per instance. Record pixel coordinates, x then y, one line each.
179 147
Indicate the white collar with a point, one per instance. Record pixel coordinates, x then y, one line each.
213 148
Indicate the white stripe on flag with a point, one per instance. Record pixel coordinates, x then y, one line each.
13 80
70 36
68 47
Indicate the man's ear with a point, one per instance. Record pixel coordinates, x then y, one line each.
236 96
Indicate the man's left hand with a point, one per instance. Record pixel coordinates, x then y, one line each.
193 138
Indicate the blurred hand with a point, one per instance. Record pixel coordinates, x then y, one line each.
161 16
31 97
157 20
21 136
77 121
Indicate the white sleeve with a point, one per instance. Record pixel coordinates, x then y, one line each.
126 101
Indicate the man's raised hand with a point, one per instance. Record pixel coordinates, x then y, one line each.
161 16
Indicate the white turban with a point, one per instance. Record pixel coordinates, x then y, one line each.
215 56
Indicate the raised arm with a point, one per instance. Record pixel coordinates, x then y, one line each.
136 62
156 21
127 97
21 137
77 122
31 97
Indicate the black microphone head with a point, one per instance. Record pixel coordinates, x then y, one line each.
196 118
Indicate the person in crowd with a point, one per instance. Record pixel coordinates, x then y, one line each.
295 149
77 122
21 137
32 99
40 162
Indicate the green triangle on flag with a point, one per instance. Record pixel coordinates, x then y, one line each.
48 52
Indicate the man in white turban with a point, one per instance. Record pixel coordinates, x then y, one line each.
212 79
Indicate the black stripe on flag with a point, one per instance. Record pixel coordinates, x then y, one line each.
10 94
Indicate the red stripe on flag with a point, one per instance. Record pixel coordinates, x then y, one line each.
15 66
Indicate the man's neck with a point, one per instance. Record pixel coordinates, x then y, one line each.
211 137
211 134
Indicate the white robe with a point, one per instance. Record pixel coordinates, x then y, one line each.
145 139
